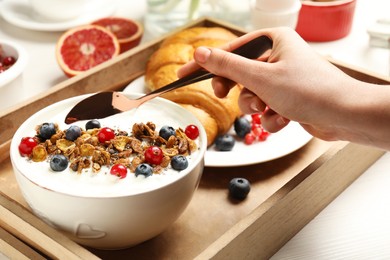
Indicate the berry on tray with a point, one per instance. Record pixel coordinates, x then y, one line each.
239 188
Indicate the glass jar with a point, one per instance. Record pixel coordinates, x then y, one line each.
164 16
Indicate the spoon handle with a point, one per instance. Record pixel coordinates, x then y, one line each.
251 50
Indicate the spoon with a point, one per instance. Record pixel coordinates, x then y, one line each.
111 103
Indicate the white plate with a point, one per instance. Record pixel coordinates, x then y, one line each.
277 145
19 13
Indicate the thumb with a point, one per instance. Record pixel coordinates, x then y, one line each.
225 64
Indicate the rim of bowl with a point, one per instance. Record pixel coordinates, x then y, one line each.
14 147
15 70
326 4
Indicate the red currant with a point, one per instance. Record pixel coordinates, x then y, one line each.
256 119
263 136
192 132
249 138
153 155
106 134
119 170
26 145
9 61
257 130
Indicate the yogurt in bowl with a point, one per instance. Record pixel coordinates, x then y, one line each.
97 208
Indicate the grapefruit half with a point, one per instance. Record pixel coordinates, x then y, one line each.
129 32
84 47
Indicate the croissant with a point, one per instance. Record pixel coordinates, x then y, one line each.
216 115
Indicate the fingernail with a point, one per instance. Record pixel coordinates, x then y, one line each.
202 54
255 106
281 120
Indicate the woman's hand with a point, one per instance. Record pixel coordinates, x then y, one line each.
294 82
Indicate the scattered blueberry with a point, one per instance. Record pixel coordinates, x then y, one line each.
224 142
166 132
242 126
239 188
47 130
58 163
144 169
179 162
91 124
73 133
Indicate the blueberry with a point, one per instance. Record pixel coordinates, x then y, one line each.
144 169
73 133
58 163
239 188
224 142
242 126
47 130
179 162
91 124
166 132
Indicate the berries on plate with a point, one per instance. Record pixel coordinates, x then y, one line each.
92 124
192 131
256 119
179 162
119 170
167 131
58 163
153 155
84 47
106 134
249 138
73 133
239 188
144 169
242 126
47 130
26 145
224 142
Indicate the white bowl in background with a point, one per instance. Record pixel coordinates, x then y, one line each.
103 217
274 13
13 49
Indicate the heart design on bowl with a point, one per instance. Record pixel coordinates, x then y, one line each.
85 231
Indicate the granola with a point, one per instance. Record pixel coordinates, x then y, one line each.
89 151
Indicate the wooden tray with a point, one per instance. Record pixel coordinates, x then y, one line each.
286 193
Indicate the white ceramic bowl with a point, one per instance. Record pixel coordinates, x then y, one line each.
107 217
17 51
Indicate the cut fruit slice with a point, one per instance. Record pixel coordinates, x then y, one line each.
84 47
128 32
